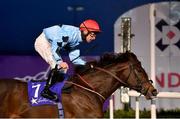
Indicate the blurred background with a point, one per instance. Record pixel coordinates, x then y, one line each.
22 21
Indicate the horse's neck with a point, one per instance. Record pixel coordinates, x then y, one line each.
103 83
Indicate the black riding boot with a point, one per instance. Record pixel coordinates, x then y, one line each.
54 77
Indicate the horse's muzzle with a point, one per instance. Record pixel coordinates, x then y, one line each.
154 92
151 94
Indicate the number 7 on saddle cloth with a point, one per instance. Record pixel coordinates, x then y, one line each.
35 88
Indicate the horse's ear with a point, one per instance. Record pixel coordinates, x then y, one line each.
127 55
128 51
131 55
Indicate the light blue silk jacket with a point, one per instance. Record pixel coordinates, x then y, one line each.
65 37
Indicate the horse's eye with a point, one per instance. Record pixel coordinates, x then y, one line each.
139 70
150 81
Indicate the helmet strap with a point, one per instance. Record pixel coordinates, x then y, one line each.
86 28
84 35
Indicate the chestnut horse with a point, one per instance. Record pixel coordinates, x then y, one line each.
90 88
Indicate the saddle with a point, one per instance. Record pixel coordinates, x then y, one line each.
67 88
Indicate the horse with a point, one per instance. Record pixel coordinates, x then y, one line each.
90 88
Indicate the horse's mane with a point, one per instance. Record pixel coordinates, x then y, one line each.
109 58
105 59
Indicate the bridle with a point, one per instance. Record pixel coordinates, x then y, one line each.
125 83
134 71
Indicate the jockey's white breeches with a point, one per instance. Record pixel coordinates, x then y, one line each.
43 47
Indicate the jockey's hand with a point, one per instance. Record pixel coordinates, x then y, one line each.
91 64
64 65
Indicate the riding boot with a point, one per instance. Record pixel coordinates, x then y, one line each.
47 93
53 78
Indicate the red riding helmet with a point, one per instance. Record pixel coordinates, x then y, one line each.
90 25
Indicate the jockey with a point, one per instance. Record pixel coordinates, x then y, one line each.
66 37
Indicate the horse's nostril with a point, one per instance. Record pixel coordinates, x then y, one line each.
154 92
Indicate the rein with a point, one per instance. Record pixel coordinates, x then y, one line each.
108 72
82 79
91 88
70 82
